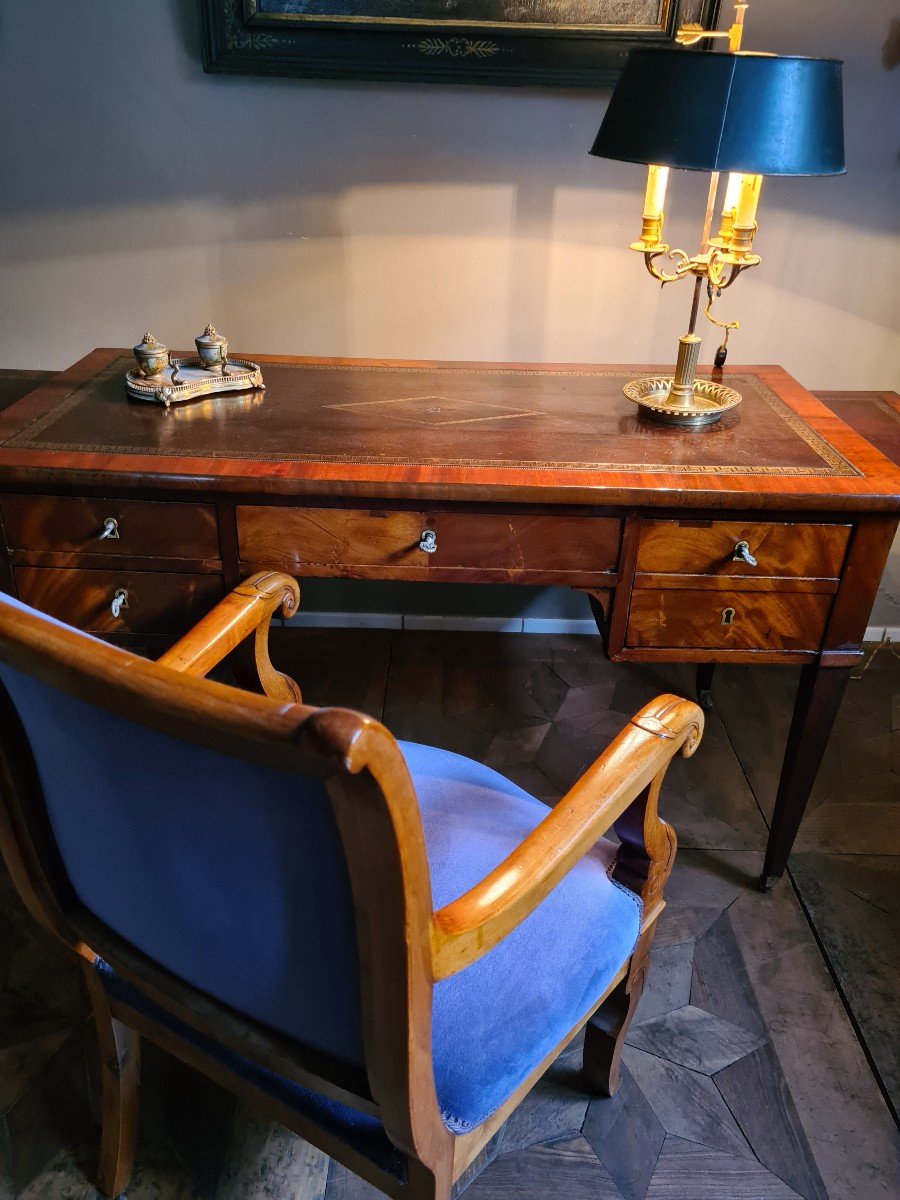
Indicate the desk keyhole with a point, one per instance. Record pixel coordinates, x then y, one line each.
727 616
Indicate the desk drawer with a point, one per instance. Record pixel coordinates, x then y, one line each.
74 524
470 547
158 602
723 620
689 547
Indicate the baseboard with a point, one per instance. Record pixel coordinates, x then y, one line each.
345 620
883 633
371 620
375 620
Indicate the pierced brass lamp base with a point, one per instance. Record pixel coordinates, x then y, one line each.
681 399
706 403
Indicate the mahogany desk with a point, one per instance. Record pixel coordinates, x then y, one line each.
131 520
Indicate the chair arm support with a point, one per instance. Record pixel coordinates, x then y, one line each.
248 609
633 764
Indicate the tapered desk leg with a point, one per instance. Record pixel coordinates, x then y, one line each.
705 673
818 700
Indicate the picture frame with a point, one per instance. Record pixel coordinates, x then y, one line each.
543 43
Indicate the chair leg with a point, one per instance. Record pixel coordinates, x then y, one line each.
120 1068
605 1032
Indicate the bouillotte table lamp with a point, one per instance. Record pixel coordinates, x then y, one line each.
745 113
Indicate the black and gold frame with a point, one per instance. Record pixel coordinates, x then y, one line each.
549 43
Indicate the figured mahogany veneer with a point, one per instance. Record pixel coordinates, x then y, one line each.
534 473
469 548
158 602
694 547
50 530
715 620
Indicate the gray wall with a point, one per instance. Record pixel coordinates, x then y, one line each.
404 220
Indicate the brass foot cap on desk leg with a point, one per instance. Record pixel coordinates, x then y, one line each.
765 883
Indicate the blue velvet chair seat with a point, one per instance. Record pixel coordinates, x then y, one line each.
497 1019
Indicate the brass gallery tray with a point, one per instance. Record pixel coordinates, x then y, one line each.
187 378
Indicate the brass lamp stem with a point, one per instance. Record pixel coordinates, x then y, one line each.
695 306
704 247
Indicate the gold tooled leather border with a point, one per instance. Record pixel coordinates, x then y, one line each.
836 465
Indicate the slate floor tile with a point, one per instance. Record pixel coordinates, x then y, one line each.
851 1133
668 981
686 1171
563 1168
157 1176
53 1110
860 939
683 924
626 1135
591 699
554 1109
547 689
515 747
22 1060
754 1089
712 878
686 1103
696 826
694 1039
856 828
720 983
267 1161
344 1185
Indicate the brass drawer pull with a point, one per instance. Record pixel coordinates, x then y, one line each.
110 529
120 601
742 554
728 616
428 542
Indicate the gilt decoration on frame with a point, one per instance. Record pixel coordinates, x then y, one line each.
549 43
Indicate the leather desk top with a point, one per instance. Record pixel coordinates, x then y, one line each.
454 431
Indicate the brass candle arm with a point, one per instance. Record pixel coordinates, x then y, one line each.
716 265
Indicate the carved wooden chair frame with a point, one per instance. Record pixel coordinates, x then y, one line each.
404 945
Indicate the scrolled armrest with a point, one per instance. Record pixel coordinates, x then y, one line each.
248 609
632 766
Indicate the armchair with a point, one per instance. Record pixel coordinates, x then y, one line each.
383 944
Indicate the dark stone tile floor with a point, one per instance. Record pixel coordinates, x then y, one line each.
763 1059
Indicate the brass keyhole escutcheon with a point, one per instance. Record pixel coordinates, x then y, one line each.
727 616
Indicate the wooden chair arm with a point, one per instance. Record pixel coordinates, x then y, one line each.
248 609
630 769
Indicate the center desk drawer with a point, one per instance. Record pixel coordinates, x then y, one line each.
76 525
155 601
781 549
468 546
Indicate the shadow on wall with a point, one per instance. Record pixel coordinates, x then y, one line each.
398 219
119 110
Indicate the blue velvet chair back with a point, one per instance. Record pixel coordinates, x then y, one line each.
227 873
